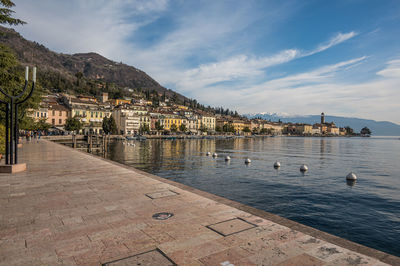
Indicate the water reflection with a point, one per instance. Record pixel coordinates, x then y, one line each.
351 183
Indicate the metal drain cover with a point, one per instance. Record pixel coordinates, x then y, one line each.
162 215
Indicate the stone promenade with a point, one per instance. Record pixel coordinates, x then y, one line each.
72 208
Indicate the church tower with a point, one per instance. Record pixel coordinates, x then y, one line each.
322 118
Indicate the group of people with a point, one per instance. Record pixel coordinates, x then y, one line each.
31 134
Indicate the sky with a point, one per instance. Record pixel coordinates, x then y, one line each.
291 57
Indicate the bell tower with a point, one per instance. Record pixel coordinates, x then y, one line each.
322 118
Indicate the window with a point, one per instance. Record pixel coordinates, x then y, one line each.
53 121
101 115
60 114
91 114
60 121
97 114
54 113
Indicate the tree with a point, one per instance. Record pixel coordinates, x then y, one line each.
109 126
42 125
158 126
349 130
182 128
203 128
105 125
365 131
228 127
112 126
218 129
6 12
246 129
174 128
73 124
79 76
144 128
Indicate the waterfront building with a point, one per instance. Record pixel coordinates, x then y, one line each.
144 121
275 128
238 126
333 130
172 119
191 123
57 115
303 129
289 129
127 120
207 121
322 128
89 112
221 121
41 113
316 131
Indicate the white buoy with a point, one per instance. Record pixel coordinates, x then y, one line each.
351 176
215 155
304 168
227 158
208 153
247 161
277 164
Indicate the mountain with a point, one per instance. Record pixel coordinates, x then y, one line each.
378 128
93 66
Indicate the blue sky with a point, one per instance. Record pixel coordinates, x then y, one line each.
289 57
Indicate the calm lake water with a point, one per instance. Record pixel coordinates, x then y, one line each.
367 212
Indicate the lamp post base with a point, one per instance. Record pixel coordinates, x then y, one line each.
12 168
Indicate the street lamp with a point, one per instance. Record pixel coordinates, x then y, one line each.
11 121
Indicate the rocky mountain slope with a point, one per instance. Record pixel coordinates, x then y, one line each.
93 66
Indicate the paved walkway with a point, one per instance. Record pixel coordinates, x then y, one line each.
72 208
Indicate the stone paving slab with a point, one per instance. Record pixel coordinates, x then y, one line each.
73 208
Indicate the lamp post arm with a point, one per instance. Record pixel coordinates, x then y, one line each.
29 95
23 91
17 96
5 94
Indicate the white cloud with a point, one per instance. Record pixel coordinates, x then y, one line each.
316 91
242 66
337 39
75 26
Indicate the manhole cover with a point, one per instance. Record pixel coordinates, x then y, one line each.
162 215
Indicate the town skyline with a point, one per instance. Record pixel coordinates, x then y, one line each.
258 57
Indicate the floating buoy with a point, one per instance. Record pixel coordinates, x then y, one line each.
227 158
304 168
247 161
215 155
351 176
208 153
277 164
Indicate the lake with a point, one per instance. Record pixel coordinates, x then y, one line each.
366 212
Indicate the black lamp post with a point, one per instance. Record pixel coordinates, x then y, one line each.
12 102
